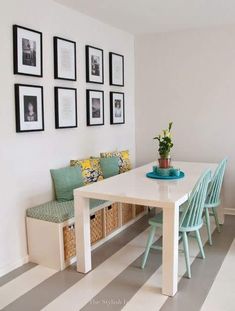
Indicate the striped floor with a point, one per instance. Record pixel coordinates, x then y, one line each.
117 282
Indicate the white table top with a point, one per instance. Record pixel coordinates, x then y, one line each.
135 187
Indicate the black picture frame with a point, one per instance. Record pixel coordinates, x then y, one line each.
57 73
90 121
58 122
26 125
89 65
112 69
117 119
29 58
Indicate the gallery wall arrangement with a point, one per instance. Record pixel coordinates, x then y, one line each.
28 60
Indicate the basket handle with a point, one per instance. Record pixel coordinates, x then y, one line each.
110 207
92 217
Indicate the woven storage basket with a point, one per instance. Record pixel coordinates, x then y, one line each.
139 209
97 226
97 233
69 242
112 218
127 212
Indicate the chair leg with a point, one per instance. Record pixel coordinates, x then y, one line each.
216 219
199 241
208 225
149 244
186 254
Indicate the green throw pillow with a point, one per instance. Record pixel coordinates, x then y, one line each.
109 166
66 180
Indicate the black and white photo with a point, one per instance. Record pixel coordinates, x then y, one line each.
65 107
95 107
27 45
117 108
116 69
29 108
64 59
94 65
29 52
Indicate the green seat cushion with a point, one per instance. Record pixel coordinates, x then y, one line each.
66 180
53 211
57 212
95 203
109 166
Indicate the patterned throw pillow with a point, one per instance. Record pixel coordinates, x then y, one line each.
124 159
91 169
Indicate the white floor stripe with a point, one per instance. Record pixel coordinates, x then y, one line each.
23 283
224 283
149 295
83 291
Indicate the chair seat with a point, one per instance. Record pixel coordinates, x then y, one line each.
57 212
214 204
157 221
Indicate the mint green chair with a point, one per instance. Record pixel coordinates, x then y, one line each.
213 197
191 220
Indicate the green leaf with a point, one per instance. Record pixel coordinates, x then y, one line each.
170 126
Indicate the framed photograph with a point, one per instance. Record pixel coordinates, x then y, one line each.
95 107
117 108
27 50
29 108
65 107
94 65
116 69
64 59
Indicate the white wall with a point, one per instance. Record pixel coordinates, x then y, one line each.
25 158
188 77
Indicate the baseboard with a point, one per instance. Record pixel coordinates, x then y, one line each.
13 265
229 211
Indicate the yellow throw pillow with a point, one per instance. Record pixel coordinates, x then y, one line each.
91 169
124 159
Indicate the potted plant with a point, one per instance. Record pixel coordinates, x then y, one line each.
165 145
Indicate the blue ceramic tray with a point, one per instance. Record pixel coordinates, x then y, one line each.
155 176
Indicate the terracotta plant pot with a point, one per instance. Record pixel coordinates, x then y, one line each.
164 162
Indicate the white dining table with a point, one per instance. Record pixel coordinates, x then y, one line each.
135 188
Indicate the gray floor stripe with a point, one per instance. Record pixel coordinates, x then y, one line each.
15 273
47 291
118 292
192 293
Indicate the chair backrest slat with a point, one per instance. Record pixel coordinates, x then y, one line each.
214 189
192 216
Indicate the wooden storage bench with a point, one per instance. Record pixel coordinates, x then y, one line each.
51 229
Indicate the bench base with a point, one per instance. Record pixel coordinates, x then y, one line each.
46 243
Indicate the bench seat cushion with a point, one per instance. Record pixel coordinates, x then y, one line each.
57 212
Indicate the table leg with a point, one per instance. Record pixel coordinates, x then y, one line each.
82 228
170 250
